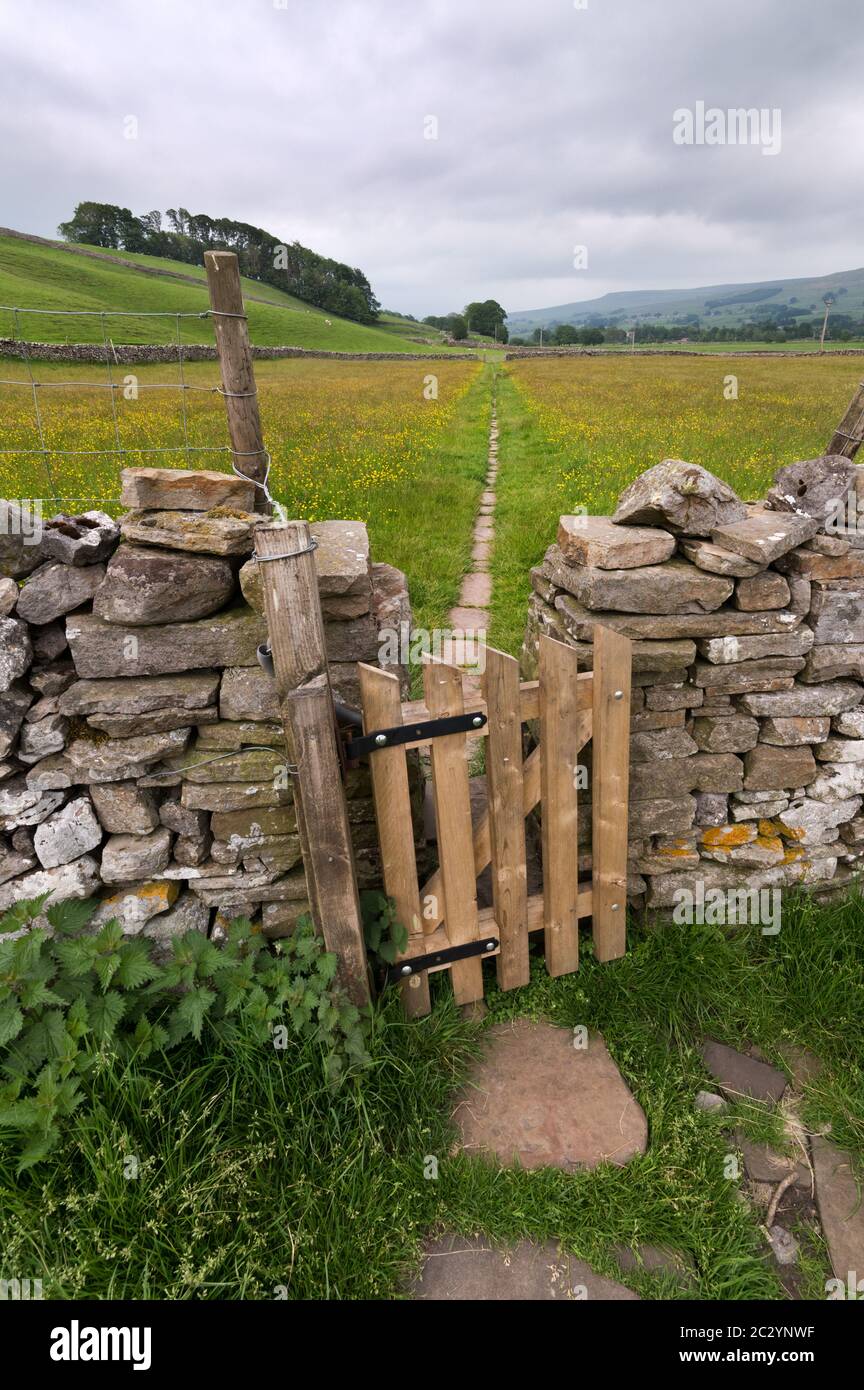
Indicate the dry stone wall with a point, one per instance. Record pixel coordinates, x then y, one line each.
747 623
142 353
141 753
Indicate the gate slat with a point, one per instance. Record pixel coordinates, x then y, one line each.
382 709
504 780
442 687
482 840
559 756
609 790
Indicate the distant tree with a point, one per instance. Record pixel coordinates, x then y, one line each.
565 333
487 317
589 337
96 224
458 327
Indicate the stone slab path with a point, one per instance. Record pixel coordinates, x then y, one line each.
535 1099
475 595
841 1209
471 1268
823 1191
739 1075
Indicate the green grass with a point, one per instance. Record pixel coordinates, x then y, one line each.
42 277
253 1176
574 432
427 531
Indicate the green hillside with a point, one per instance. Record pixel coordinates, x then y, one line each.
721 305
35 276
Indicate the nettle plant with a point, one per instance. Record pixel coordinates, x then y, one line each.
384 934
72 1000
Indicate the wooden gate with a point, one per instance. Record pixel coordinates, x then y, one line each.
571 707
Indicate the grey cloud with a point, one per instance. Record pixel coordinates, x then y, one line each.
555 129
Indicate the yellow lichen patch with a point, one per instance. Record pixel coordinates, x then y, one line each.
675 850
771 827
770 842
728 836
793 832
793 854
163 891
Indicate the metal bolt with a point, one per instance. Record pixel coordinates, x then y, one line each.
615 907
619 694
380 738
477 721
490 945
406 970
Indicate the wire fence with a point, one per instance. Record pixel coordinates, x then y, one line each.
47 453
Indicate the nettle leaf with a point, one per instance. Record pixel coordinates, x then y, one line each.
76 957
188 1016
21 914
110 938
35 992
106 1011
26 951
106 968
72 915
326 966
349 1016
37 1148
69 1097
20 1115
243 939
11 1022
148 1037
77 1018
55 1028
135 966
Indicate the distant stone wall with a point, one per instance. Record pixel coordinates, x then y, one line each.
137 353
141 753
513 354
747 622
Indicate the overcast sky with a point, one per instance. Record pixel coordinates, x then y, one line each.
554 130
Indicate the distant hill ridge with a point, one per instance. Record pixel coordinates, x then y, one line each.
49 276
721 305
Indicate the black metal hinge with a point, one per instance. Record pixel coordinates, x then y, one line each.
414 733
414 964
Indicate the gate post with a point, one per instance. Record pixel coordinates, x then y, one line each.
238 373
610 775
296 628
849 434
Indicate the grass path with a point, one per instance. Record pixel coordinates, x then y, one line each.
527 508
428 529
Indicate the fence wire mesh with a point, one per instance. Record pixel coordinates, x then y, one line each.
47 450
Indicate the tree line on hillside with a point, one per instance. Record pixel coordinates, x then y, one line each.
293 268
841 328
484 317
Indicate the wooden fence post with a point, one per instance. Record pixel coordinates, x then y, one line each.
610 776
296 628
849 434
238 373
